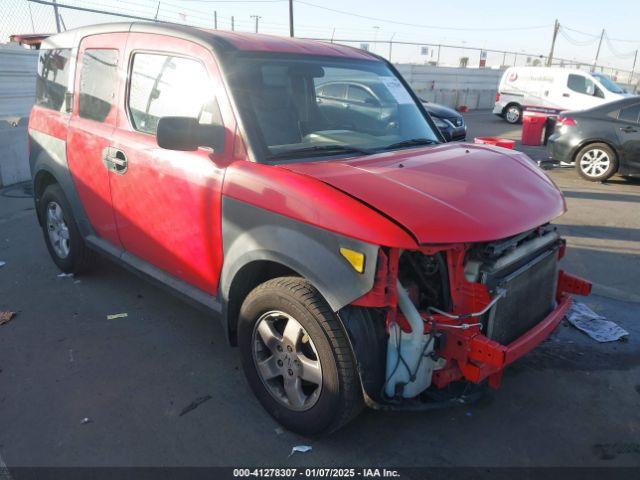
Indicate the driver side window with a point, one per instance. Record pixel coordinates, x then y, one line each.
360 95
163 85
581 84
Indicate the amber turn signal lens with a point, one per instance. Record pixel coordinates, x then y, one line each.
356 259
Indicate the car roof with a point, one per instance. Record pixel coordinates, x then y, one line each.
614 105
216 39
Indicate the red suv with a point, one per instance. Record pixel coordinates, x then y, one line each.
352 255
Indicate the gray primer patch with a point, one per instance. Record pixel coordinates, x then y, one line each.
251 234
48 153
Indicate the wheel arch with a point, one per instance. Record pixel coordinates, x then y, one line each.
246 278
41 180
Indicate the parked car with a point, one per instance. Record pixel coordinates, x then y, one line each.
551 90
449 122
600 141
366 102
354 260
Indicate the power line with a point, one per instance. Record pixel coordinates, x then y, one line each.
434 27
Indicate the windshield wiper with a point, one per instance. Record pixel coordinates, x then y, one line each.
412 142
318 149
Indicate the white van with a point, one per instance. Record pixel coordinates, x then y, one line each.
551 90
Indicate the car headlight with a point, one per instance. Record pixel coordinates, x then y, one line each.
441 122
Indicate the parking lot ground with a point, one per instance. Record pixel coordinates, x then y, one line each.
571 402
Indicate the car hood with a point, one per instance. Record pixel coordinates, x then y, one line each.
447 193
440 110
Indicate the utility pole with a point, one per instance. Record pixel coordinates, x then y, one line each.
598 52
257 17
232 24
291 18
556 29
391 45
438 57
215 19
633 69
57 15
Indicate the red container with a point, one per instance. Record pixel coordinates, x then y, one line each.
532 127
497 141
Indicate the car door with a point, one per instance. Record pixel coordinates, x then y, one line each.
629 134
365 109
92 125
167 203
581 92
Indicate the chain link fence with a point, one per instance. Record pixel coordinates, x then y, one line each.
37 16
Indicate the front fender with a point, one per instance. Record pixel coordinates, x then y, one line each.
254 234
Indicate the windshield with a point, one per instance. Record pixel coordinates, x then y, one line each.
608 84
301 107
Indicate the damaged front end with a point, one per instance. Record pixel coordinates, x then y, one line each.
460 312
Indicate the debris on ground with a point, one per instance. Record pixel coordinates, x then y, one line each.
594 325
85 420
113 316
5 317
195 404
2 264
279 430
301 449
65 275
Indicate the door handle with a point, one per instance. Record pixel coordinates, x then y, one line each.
115 160
566 95
628 129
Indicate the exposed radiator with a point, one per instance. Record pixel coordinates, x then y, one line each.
529 275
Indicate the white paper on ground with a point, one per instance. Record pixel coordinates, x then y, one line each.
594 325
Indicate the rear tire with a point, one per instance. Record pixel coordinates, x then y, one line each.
513 114
61 234
296 357
596 162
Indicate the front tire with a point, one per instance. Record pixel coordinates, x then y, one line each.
297 358
513 114
61 234
596 162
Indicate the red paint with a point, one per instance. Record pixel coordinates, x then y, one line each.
305 199
85 142
451 193
168 204
273 43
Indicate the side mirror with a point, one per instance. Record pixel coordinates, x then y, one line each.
186 134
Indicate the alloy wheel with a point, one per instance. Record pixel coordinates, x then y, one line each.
595 163
58 230
513 115
287 361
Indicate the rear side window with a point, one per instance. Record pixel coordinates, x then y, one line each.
53 78
167 86
630 114
98 78
335 90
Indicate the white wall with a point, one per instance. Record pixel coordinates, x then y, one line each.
17 80
17 93
451 86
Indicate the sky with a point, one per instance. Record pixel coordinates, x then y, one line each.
518 26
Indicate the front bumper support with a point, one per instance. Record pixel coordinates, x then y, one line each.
477 357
